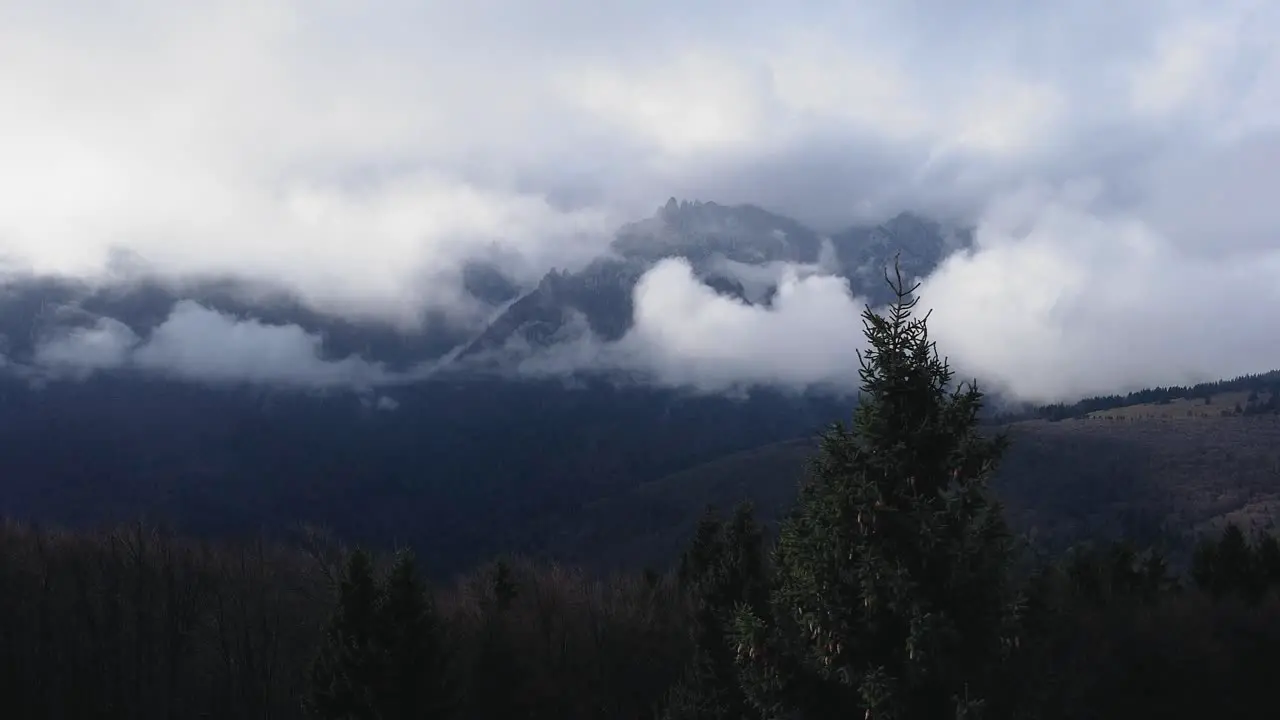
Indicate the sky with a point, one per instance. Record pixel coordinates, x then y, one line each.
1118 160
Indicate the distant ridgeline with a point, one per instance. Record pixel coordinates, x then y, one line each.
1263 398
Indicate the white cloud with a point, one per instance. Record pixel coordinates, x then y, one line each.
201 344
698 103
758 280
687 334
360 152
253 140
1059 302
1181 68
196 343
1059 299
105 345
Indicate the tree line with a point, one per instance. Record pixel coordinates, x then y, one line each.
1263 389
893 589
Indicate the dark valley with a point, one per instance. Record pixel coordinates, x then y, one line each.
184 529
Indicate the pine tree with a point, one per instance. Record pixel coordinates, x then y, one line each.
704 551
350 662
1269 559
745 561
414 684
1225 566
1204 560
723 570
383 655
890 597
1155 577
497 680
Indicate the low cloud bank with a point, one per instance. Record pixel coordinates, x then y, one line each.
1062 296
199 344
1059 300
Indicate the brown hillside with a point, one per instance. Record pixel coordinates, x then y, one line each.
1063 481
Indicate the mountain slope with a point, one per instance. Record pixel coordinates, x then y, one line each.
462 466
734 249
1149 471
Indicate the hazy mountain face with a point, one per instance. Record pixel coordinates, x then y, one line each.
737 251
740 252
33 311
1084 166
225 407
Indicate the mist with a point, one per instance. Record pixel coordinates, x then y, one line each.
1114 158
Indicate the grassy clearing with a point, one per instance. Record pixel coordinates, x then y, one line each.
1182 408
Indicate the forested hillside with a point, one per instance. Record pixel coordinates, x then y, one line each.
454 450
514 360
892 588
222 407
1157 465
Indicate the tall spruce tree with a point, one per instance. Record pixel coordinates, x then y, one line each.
1269 558
414 684
498 682
383 656
1224 566
350 663
723 571
890 594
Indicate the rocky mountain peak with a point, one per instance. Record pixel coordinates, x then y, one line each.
725 244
